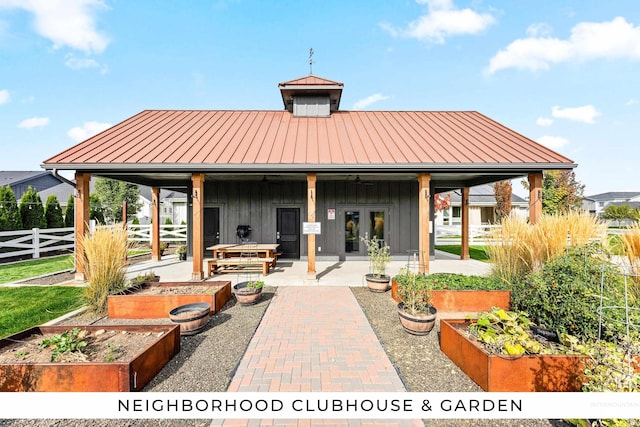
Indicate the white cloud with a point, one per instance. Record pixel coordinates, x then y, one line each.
631 102
78 63
584 114
5 97
87 130
616 39
553 142
34 122
364 103
544 121
539 29
443 20
68 23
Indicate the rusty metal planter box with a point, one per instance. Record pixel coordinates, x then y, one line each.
504 373
464 300
118 376
153 306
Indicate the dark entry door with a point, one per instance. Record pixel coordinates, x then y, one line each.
211 227
288 232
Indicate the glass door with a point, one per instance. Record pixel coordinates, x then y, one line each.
363 223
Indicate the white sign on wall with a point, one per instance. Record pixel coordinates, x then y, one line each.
331 214
311 228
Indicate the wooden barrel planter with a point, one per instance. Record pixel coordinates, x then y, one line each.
192 318
377 284
420 324
246 295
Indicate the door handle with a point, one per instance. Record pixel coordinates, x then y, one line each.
277 235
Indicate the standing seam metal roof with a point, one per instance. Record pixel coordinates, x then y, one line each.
250 137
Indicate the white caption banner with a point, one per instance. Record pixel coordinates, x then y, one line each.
320 405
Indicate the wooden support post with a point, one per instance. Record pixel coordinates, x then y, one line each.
535 197
197 197
464 249
155 224
424 198
311 217
81 204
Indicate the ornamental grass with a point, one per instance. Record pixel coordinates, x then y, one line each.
631 242
104 262
518 248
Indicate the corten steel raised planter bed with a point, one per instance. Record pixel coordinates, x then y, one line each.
130 374
137 305
464 300
509 373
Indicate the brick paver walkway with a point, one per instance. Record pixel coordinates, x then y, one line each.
315 339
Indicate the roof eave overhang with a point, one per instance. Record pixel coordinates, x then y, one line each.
319 167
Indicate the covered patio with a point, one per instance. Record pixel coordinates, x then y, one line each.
311 178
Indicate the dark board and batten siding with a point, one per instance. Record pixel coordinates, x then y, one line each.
255 204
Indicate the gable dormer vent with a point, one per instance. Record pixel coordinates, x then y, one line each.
311 106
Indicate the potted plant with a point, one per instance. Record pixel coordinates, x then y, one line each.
417 314
182 252
379 256
249 292
163 247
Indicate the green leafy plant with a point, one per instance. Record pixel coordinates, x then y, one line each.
115 352
414 290
142 278
509 332
379 255
255 284
66 342
456 282
22 353
565 294
182 249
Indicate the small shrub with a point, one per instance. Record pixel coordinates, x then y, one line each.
104 262
53 213
565 294
414 290
379 255
66 342
457 282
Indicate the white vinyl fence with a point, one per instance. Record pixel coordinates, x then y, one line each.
36 241
452 234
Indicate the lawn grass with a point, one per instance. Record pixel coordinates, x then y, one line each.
27 306
475 252
33 268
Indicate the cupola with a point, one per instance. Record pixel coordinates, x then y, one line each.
311 96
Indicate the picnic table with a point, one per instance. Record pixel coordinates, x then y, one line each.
259 257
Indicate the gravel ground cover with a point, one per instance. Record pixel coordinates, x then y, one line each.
207 361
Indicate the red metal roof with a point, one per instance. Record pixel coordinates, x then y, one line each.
310 80
276 139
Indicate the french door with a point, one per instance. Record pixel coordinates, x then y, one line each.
362 222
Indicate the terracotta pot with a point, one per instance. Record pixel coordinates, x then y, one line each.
418 324
245 295
377 284
192 318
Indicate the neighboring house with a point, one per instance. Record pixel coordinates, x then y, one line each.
482 206
597 203
44 182
173 206
351 174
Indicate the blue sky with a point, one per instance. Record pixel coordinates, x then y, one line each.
564 73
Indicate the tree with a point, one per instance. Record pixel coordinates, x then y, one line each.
617 213
502 191
441 203
10 219
53 213
561 192
31 210
69 213
112 193
96 211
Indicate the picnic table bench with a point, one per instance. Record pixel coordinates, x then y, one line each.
239 264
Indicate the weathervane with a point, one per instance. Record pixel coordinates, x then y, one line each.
310 61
